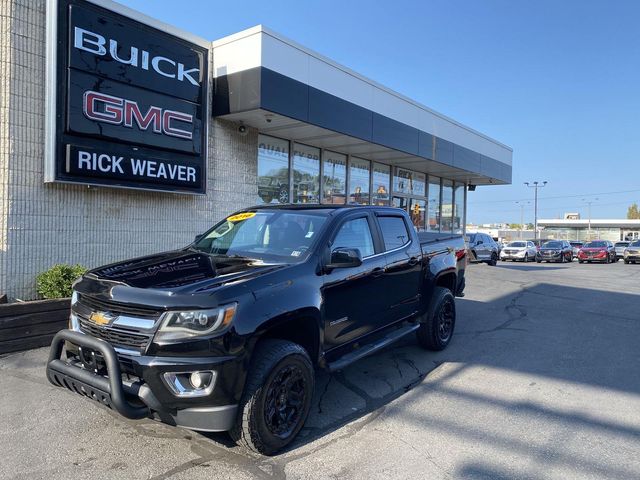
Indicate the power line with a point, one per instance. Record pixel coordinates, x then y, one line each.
558 197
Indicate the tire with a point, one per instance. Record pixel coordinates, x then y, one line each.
580 261
271 360
283 194
436 331
526 258
570 259
494 260
538 261
626 262
266 198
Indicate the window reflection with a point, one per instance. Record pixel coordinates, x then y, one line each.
359 181
306 173
434 204
458 210
273 170
334 180
381 181
446 222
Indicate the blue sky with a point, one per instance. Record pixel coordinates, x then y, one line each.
558 81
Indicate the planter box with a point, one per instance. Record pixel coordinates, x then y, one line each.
31 324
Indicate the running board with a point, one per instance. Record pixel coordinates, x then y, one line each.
370 348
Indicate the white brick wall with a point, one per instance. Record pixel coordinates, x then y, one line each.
41 225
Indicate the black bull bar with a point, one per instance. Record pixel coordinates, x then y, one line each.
109 391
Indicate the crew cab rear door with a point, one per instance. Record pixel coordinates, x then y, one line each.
354 299
403 271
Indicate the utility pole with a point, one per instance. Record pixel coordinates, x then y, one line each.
522 205
536 185
589 202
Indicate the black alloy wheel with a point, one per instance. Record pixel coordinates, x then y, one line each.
436 329
277 397
285 400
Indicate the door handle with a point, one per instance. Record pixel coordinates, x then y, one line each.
377 272
413 261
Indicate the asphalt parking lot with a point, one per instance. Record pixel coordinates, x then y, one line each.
542 380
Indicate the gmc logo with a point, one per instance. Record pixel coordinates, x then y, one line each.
120 111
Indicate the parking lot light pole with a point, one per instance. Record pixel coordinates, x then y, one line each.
589 202
535 185
522 204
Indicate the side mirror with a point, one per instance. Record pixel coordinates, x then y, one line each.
345 258
479 242
198 238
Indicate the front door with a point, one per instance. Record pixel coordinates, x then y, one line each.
354 299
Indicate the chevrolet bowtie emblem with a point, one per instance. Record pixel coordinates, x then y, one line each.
101 318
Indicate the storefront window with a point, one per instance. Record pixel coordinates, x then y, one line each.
446 222
359 181
273 170
306 173
381 181
334 183
434 204
458 208
406 181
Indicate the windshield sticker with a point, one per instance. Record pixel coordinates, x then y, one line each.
241 216
296 253
309 235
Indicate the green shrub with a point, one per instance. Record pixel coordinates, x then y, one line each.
56 282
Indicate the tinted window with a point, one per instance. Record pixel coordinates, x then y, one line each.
635 244
355 234
595 244
516 244
622 244
472 238
394 232
553 245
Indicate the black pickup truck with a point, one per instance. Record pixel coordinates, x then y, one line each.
224 335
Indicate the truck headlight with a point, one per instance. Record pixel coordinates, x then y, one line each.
192 323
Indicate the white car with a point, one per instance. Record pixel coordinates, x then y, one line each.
523 250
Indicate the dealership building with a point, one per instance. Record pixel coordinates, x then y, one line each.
122 136
584 229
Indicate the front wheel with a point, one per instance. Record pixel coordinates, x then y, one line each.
494 260
436 331
277 397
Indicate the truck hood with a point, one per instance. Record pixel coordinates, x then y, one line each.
182 271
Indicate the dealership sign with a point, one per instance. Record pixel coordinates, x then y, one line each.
128 101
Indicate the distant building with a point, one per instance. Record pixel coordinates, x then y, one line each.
581 229
572 216
503 234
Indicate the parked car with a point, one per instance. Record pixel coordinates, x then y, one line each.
576 246
538 242
619 248
555 251
224 335
523 250
597 251
632 252
482 248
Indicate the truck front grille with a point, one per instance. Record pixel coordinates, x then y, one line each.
115 336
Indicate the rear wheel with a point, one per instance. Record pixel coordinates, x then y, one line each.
277 397
436 331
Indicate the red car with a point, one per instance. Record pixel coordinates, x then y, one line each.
597 251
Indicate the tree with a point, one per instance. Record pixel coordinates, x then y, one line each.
632 212
530 226
515 226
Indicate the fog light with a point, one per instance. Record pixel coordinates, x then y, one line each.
190 384
196 380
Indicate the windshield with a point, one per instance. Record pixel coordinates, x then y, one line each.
622 244
576 244
517 244
553 245
595 245
635 244
267 235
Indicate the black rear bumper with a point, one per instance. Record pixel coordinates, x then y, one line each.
109 391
